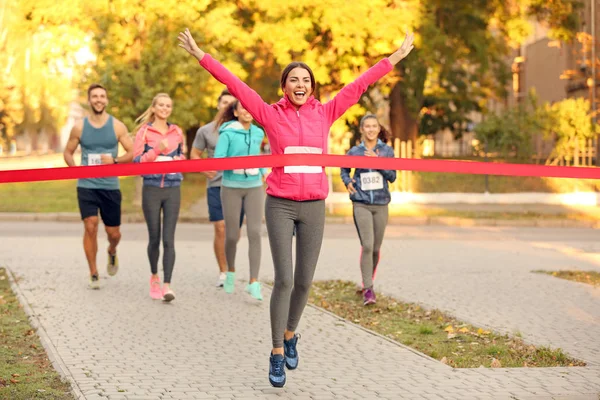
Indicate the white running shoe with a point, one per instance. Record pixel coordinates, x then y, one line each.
221 280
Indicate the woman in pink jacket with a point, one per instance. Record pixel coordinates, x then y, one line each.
158 140
298 123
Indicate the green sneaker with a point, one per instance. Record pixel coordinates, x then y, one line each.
254 290
229 285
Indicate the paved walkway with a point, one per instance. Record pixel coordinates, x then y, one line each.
117 343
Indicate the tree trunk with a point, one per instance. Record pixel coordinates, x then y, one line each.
402 124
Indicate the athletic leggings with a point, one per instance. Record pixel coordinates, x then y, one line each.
290 289
232 200
370 221
155 199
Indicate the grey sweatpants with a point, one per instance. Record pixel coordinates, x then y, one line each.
167 200
232 200
290 288
370 221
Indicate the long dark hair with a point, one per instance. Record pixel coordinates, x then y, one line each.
384 135
226 114
298 64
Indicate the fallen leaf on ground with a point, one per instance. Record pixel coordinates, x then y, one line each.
496 364
449 328
444 360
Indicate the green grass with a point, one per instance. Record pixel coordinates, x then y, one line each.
589 277
438 182
415 210
25 371
431 332
61 196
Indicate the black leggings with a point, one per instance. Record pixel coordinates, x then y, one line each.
291 286
155 199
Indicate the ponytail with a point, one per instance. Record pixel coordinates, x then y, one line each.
226 114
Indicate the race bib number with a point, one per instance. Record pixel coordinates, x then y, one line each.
371 181
302 169
94 159
247 171
165 158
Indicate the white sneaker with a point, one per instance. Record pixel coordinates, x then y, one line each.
221 280
94 282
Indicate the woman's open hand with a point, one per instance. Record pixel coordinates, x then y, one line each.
187 42
404 50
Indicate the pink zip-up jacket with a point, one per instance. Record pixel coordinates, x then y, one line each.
146 148
302 130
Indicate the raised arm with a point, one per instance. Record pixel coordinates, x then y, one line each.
251 100
350 94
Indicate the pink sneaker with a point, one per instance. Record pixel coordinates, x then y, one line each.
155 290
168 295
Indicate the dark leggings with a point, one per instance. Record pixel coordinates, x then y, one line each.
370 221
290 288
155 199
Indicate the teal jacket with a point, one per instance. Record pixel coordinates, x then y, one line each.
235 141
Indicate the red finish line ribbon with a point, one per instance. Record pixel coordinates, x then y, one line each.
220 164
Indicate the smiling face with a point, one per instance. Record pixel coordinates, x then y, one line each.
98 100
297 83
242 114
162 108
370 129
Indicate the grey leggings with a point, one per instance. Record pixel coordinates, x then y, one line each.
370 221
155 199
290 289
232 200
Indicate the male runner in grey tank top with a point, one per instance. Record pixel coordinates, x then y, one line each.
206 139
99 136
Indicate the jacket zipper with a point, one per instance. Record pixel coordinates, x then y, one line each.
301 143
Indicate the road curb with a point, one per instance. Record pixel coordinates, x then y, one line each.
56 360
408 221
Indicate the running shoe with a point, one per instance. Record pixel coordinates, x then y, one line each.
229 284
94 282
155 290
277 370
221 280
112 266
255 290
291 353
369 297
168 295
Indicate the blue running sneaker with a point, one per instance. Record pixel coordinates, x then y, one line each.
277 370
291 354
